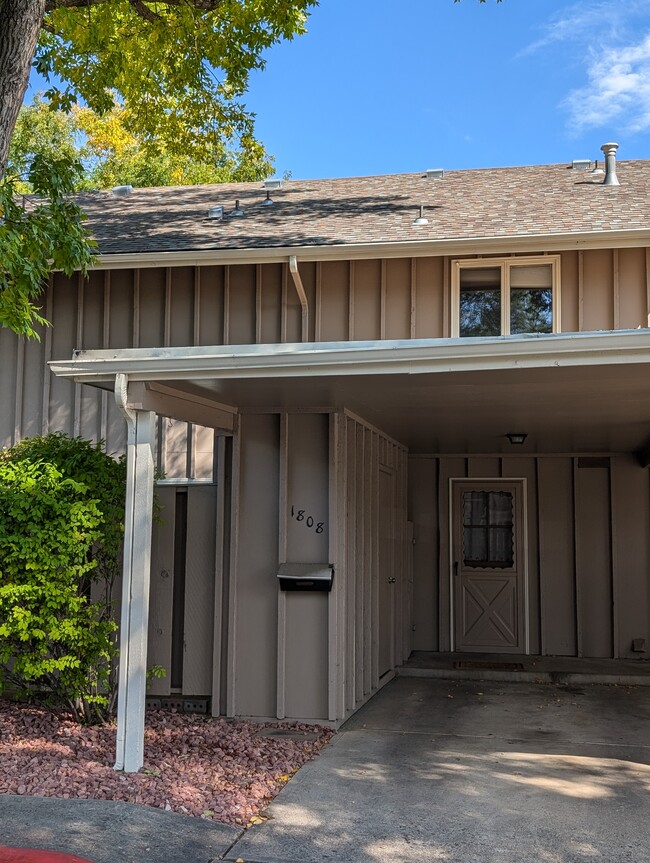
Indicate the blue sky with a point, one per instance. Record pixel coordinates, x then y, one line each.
380 87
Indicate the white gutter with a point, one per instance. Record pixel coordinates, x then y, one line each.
418 356
632 238
302 296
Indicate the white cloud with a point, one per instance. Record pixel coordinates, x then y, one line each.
618 89
610 40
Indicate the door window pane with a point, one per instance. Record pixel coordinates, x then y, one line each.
480 301
488 533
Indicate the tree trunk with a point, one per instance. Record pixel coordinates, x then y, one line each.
20 24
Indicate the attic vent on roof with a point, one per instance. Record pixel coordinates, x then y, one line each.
122 191
581 164
272 183
237 211
434 173
215 213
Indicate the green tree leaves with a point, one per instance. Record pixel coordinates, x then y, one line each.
38 234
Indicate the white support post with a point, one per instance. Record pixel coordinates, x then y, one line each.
135 585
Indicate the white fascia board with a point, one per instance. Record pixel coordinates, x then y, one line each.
634 238
417 356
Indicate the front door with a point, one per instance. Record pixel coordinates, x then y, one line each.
488 566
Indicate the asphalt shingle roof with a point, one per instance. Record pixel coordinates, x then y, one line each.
496 202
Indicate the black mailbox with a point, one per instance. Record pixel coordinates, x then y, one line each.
306 576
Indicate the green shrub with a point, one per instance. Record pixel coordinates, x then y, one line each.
61 525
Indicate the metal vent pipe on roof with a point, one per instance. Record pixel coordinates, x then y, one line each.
610 164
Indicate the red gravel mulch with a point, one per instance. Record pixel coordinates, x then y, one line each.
211 768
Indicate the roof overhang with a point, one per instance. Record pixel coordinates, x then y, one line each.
569 392
554 242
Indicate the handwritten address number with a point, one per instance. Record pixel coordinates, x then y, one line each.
307 520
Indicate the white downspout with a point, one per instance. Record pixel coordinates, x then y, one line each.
302 296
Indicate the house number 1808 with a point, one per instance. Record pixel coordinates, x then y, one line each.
307 520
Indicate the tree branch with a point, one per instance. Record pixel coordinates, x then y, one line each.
141 8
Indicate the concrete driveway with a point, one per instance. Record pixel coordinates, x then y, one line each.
468 771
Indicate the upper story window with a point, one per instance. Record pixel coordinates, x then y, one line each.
505 296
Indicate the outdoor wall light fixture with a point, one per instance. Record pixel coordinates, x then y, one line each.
517 438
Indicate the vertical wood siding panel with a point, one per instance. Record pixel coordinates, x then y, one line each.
360 502
351 557
63 320
255 625
306 659
449 468
337 540
368 572
241 324
593 557
181 307
423 512
373 658
270 325
47 356
526 467
308 276
430 292
484 467
598 290
159 646
556 553
335 293
199 590
8 360
92 337
367 300
153 297
212 300
631 549
632 293
569 292
34 372
398 299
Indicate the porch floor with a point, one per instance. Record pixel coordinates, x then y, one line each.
527 669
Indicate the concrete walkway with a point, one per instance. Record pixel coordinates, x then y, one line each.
429 770
472 772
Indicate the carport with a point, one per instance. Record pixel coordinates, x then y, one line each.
454 400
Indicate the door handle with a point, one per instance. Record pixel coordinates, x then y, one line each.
455 568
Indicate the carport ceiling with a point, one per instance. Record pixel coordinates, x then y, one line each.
587 409
576 392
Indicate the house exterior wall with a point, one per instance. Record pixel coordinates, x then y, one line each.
249 304
261 652
588 550
307 491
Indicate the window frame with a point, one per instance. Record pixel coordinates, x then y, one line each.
505 265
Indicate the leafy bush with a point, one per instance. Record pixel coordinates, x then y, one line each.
61 523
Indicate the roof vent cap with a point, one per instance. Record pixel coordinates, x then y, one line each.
237 211
215 213
268 201
421 219
610 164
581 164
272 184
434 173
122 191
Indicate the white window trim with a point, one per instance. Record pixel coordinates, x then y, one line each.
505 265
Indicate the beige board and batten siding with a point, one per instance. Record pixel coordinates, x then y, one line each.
588 550
258 304
308 491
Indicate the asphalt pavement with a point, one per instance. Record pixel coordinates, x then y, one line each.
429 770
